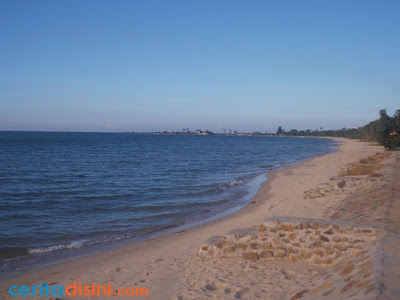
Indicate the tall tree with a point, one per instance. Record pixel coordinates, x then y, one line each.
280 131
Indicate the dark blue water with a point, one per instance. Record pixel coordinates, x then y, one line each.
60 192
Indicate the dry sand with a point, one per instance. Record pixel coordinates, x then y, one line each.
357 262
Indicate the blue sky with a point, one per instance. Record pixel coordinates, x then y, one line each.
155 65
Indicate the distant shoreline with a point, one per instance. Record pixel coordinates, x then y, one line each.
174 133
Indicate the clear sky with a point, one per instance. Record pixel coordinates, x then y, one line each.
155 65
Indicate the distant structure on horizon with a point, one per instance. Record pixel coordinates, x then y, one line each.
200 132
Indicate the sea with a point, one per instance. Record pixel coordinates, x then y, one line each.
64 195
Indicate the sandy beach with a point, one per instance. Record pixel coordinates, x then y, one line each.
324 228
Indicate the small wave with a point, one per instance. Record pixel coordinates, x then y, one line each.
72 245
267 166
236 183
177 222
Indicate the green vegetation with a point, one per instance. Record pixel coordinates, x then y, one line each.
385 130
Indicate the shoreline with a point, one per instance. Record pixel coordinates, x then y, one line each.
255 184
133 263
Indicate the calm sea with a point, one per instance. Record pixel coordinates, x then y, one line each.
68 194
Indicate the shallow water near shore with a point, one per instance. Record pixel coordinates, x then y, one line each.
66 194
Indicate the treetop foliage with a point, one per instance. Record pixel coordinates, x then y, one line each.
385 130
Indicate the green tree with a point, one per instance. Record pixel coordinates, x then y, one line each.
387 130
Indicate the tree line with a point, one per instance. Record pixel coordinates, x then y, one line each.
385 130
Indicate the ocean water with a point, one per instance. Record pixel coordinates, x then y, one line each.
68 194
